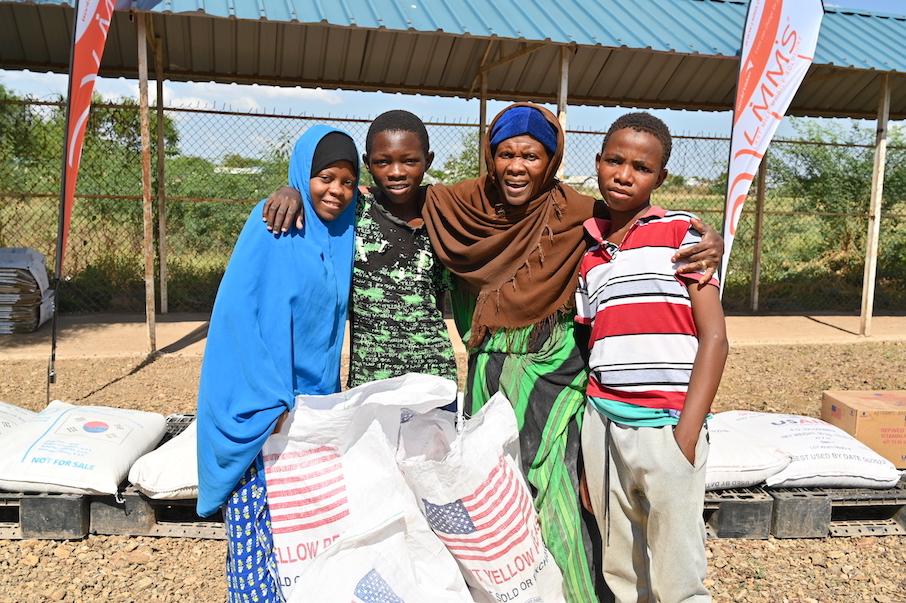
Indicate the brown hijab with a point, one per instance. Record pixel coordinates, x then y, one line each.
521 262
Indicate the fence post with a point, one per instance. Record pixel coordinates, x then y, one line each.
562 100
874 210
482 123
161 173
146 180
759 226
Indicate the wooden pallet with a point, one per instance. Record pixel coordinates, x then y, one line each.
133 513
47 516
821 512
738 513
74 516
749 513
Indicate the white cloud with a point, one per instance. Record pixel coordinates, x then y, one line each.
201 95
192 102
325 103
261 141
40 85
45 86
331 97
251 98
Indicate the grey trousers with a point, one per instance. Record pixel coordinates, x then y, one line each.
649 510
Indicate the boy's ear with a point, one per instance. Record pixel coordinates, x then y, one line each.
366 163
661 178
429 159
597 162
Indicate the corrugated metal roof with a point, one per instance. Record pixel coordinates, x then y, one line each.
863 41
709 27
644 53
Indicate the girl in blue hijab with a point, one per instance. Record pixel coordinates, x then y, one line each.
276 331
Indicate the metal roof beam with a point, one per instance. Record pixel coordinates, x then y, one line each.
484 69
515 55
481 75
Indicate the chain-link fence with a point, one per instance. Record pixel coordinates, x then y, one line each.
217 164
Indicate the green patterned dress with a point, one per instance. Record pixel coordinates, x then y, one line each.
395 326
544 377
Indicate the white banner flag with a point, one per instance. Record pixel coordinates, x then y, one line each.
777 49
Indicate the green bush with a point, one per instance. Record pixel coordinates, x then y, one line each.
191 288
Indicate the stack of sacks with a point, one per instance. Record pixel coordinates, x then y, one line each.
343 519
26 300
76 449
790 451
360 527
392 492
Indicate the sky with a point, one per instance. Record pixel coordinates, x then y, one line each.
337 103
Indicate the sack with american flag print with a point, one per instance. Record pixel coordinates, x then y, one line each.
477 501
325 479
398 560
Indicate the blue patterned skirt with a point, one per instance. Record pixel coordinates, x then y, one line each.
252 575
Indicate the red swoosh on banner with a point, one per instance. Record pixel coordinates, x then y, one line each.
760 53
738 201
93 23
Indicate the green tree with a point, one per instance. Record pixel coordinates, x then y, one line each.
718 185
462 166
111 155
675 180
831 171
29 147
29 164
238 161
106 231
201 226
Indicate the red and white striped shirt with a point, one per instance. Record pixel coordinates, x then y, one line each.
643 337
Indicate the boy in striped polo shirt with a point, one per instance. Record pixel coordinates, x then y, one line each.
658 346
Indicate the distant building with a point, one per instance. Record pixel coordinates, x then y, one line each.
693 181
582 181
238 170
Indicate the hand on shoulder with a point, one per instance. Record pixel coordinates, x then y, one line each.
282 207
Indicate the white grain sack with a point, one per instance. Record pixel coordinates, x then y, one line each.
76 449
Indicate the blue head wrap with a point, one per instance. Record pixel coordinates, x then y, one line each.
276 331
524 120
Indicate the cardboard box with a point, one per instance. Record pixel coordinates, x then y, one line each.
875 418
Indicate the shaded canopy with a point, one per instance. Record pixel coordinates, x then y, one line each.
680 54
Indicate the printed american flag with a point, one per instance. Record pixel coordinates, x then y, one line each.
305 489
490 522
374 589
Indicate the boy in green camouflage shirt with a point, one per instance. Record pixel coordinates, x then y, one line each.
398 284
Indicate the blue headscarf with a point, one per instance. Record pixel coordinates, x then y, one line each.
276 331
522 120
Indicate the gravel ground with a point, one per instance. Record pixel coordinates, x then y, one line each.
784 379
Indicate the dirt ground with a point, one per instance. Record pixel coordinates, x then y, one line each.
767 378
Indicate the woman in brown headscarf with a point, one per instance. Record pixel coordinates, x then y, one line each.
515 238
